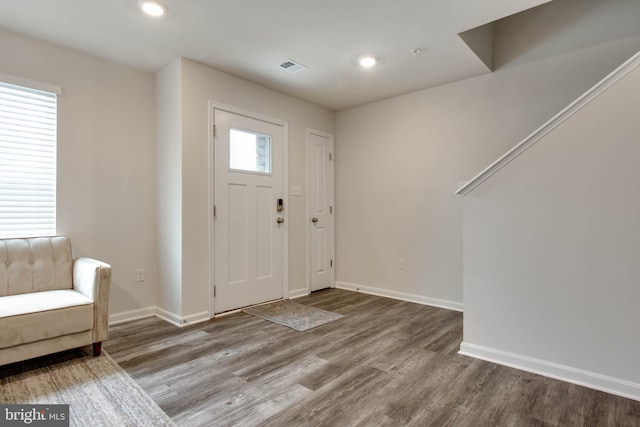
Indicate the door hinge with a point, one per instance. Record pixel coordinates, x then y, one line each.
331 263
330 209
330 156
214 291
215 133
214 211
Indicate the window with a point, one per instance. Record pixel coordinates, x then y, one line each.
27 161
249 151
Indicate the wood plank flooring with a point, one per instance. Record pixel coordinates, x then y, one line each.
386 363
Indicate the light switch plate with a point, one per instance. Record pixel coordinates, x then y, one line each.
296 190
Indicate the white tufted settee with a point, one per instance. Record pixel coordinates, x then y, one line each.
50 302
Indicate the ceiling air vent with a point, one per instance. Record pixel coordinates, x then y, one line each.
292 66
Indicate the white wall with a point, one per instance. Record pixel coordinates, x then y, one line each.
168 189
113 202
399 161
106 166
552 251
199 85
562 26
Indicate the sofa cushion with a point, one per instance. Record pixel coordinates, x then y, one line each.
42 315
34 265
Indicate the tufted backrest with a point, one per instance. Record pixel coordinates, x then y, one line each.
35 264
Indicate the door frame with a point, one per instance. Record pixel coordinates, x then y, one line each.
311 131
213 106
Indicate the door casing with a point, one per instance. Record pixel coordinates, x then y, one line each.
310 132
213 106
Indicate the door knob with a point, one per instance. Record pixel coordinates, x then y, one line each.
314 220
280 220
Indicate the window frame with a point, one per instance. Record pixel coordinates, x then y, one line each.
32 192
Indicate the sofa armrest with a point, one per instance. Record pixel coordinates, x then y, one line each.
92 278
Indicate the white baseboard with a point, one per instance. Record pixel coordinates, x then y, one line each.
419 299
167 316
192 319
297 293
580 377
182 321
127 316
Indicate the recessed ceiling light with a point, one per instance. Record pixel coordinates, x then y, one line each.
153 7
368 61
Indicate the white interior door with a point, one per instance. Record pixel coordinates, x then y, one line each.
320 208
248 225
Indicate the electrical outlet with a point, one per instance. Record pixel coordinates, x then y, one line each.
140 275
400 264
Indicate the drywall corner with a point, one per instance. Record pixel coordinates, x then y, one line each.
169 185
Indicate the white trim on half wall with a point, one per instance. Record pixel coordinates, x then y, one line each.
297 293
418 299
161 313
127 316
569 374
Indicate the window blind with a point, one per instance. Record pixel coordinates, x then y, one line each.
28 120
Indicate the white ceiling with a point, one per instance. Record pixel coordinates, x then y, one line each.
250 38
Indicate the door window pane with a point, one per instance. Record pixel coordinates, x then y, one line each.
249 151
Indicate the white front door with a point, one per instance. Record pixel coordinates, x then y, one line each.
320 207
248 222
